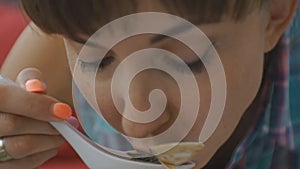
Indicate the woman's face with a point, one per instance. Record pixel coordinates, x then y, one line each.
241 50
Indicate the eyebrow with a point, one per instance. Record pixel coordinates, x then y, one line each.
173 31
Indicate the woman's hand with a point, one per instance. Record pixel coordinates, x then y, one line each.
28 137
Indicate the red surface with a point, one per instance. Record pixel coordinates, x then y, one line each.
11 25
66 159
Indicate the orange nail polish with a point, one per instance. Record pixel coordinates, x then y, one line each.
62 111
35 86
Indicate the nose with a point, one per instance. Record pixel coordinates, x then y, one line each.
140 99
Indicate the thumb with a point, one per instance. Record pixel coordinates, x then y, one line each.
31 80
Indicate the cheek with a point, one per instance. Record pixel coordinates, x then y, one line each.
243 64
205 103
244 70
106 105
243 60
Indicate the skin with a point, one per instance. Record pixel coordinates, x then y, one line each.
241 44
24 116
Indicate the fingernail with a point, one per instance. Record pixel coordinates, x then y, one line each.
74 122
62 111
35 86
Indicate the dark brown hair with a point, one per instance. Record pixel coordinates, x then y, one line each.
76 17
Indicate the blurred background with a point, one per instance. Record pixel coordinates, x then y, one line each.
12 22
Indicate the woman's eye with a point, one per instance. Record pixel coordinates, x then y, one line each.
196 66
89 66
106 61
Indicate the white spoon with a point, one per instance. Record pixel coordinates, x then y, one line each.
97 157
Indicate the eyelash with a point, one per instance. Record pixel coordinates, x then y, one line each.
196 66
107 60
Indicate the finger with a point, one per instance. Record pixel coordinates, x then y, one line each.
15 100
11 125
30 162
31 79
22 146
